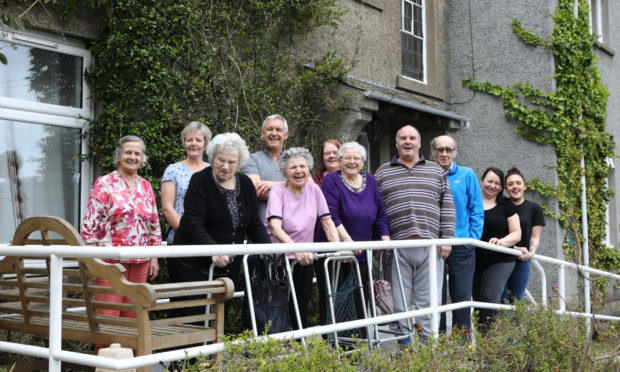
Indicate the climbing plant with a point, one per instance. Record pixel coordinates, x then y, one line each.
572 120
160 64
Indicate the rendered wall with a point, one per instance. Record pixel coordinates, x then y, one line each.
609 65
482 45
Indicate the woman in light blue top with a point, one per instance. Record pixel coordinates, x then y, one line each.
195 137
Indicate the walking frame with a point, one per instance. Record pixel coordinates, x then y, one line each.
373 337
292 294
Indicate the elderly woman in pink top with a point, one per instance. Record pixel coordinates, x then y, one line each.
293 210
122 211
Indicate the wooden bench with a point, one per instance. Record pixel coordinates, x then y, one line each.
24 298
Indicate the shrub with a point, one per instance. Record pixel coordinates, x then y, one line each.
528 339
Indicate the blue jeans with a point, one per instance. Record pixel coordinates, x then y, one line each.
461 264
517 283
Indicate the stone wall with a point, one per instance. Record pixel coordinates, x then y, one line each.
82 24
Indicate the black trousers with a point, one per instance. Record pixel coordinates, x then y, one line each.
302 280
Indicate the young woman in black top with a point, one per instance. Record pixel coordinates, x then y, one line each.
501 227
532 222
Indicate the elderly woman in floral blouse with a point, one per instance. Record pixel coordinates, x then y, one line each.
122 211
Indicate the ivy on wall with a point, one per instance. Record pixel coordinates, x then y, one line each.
160 64
572 120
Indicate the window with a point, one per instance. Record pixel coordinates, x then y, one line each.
42 96
599 20
413 42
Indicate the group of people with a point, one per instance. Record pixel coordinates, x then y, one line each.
485 213
271 197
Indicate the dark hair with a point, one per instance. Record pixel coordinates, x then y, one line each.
502 181
514 171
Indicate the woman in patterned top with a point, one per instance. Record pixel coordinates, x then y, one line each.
122 211
195 137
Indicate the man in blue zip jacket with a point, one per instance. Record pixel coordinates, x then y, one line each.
469 222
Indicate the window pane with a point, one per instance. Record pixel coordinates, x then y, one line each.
412 56
40 75
418 22
596 19
407 16
39 174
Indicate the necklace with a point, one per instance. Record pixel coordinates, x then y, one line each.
357 186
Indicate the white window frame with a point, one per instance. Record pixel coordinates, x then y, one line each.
51 114
596 19
423 38
12 109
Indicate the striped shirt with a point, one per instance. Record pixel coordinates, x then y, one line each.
417 200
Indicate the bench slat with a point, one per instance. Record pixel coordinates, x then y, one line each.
163 336
185 303
167 287
187 293
185 319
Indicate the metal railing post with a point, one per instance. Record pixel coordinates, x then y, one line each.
432 272
543 280
562 287
55 312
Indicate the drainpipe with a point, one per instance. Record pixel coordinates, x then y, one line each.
584 215
584 232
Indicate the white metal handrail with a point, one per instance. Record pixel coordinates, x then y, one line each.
57 252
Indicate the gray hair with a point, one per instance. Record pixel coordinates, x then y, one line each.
119 149
273 117
295 152
408 125
228 142
196 126
433 156
351 146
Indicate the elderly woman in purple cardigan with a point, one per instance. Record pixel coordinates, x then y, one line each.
356 208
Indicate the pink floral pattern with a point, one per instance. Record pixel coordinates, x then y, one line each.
117 216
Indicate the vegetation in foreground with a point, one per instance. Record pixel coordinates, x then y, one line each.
529 339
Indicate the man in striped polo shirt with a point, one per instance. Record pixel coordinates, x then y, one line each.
418 202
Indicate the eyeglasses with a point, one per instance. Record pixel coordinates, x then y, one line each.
349 158
447 150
